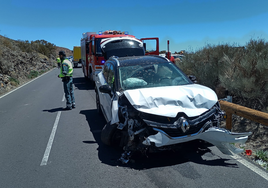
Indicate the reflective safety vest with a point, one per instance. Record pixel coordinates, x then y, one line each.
66 68
58 60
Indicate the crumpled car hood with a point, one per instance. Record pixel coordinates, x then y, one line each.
192 99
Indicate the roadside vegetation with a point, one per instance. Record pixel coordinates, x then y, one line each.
241 72
41 46
261 158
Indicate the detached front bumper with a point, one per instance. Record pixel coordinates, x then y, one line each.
219 137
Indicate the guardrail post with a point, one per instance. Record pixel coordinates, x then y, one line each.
229 121
251 114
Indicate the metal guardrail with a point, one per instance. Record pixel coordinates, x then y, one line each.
248 113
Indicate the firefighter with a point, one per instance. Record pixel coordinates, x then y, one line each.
171 57
66 74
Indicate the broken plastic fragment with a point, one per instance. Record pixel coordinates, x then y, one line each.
124 159
248 152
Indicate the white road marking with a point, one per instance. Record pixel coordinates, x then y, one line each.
25 84
251 166
50 141
63 98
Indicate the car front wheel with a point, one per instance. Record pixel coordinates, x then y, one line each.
98 104
107 134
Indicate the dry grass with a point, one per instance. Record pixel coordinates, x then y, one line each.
241 70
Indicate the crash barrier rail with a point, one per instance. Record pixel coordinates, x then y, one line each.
248 113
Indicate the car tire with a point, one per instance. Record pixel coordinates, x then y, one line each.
98 104
90 78
107 133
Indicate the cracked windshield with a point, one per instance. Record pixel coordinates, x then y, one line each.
146 76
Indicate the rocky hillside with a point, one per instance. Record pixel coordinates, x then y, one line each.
21 61
67 51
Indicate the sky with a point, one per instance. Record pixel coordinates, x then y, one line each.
188 24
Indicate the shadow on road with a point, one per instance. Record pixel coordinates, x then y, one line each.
195 151
78 66
54 110
82 84
96 122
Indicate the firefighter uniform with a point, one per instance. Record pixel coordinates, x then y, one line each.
66 74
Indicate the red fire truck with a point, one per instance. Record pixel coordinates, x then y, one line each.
91 55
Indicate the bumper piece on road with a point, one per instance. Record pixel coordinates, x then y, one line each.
219 137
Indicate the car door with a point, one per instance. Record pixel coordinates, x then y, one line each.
102 80
108 97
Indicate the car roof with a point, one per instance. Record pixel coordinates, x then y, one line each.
137 60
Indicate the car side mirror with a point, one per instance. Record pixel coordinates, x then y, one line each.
192 78
105 89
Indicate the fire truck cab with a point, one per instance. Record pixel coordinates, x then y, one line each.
91 54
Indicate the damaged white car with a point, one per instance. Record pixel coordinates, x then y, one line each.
150 105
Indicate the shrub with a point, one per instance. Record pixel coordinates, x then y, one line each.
41 46
205 64
242 70
263 155
245 74
33 74
25 46
14 81
45 47
6 42
42 72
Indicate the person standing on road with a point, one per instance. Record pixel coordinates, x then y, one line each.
66 74
58 62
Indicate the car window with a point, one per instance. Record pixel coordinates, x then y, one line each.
111 75
145 76
106 71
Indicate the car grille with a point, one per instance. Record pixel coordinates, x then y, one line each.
178 132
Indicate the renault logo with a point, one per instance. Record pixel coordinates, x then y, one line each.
185 125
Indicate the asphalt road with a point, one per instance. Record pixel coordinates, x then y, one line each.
43 146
